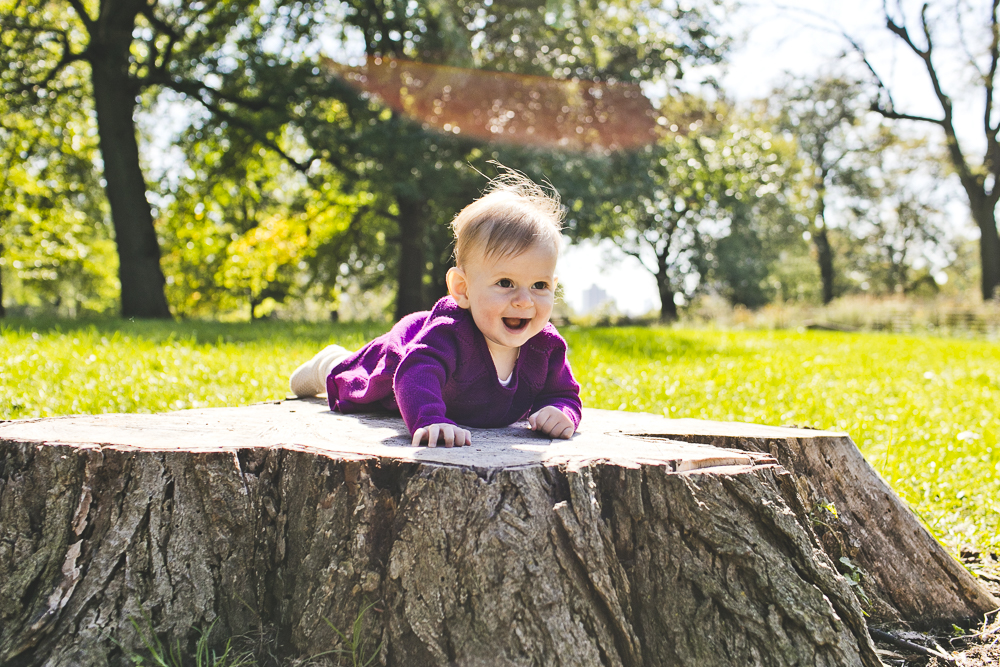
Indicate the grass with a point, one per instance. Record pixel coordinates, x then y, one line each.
159 654
923 410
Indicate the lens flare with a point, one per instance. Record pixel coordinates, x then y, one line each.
536 111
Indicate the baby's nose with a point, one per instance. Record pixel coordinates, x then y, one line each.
522 297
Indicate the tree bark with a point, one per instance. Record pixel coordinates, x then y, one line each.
282 519
412 256
984 213
824 255
142 282
668 308
821 238
905 572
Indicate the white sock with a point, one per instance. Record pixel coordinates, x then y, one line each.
309 379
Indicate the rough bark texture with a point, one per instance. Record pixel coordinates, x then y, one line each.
141 278
614 548
907 574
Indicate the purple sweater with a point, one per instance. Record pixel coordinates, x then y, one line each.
434 368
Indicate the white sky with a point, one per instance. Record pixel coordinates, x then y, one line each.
800 36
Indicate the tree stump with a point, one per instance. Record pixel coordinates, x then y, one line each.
907 575
284 521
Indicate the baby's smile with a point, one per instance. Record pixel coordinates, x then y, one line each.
515 323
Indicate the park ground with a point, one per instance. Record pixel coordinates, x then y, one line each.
923 409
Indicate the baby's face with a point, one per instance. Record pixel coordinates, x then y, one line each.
510 297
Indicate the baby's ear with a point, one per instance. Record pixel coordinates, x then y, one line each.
458 286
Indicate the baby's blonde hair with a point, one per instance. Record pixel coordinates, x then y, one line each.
513 215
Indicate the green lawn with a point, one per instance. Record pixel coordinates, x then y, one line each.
922 409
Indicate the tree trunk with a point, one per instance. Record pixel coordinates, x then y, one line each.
3 311
614 548
824 255
668 308
907 575
412 258
984 213
142 282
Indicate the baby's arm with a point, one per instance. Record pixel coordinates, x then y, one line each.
557 409
418 384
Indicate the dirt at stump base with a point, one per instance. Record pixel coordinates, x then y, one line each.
975 646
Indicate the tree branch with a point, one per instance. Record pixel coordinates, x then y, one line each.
992 160
894 115
68 56
633 253
946 123
159 23
81 12
197 90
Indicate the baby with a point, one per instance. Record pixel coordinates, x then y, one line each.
486 355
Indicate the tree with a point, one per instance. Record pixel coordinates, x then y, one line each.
824 116
978 32
55 232
688 206
130 46
895 220
242 228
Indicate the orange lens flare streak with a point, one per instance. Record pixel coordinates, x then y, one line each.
536 111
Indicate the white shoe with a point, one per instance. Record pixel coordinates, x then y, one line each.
309 379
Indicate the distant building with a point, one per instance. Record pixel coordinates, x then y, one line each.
594 298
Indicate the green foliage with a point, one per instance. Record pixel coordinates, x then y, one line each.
244 229
56 247
855 577
420 177
159 654
356 646
705 208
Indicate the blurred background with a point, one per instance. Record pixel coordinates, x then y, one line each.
825 163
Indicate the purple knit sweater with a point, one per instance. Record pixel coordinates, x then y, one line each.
435 368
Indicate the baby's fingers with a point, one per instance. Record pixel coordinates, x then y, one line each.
565 432
456 436
453 436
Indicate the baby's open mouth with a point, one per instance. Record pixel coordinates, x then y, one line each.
515 323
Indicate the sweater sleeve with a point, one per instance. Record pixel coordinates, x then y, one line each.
420 378
561 390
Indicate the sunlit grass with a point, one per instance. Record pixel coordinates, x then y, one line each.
68 368
922 409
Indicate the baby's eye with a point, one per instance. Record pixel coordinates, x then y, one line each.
505 282
541 284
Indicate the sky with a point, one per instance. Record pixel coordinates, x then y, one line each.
804 37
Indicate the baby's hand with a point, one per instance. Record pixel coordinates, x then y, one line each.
453 435
552 421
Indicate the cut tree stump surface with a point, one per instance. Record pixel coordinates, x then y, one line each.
309 425
640 541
